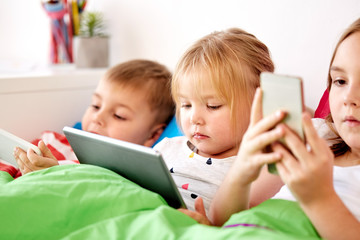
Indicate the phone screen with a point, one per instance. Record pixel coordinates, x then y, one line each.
285 93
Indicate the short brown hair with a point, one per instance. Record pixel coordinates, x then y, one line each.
149 75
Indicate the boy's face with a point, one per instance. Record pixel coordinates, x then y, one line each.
205 120
121 112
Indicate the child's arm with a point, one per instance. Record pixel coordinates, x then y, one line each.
309 175
29 161
264 187
234 193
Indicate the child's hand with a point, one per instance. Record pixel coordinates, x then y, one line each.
261 133
199 215
306 170
234 193
29 161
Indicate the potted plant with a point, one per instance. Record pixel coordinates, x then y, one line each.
92 44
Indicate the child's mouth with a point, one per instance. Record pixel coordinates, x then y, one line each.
199 136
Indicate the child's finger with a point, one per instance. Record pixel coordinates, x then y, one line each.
296 145
311 135
20 155
288 163
39 162
31 156
196 216
199 206
17 158
265 124
256 107
45 150
267 158
259 142
283 171
24 170
22 160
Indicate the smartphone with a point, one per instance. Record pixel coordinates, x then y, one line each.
282 92
8 142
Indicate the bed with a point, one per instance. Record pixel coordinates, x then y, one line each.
88 202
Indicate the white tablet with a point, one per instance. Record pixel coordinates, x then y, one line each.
139 164
8 142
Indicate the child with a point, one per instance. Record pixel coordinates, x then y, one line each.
213 85
324 183
126 105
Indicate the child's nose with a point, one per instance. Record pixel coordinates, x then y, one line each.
99 117
196 117
352 96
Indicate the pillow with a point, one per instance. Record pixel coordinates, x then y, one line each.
323 108
77 125
171 130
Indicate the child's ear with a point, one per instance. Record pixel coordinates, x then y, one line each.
155 134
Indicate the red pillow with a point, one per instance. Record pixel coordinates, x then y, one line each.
323 108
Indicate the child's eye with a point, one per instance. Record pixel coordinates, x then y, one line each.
96 107
339 82
214 107
119 117
185 105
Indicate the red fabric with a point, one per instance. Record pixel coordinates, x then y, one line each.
61 138
323 108
13 171
59 156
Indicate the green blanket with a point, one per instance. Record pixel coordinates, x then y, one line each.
88 202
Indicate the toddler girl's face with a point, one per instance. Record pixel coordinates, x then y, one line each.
119 112
205 120
344 95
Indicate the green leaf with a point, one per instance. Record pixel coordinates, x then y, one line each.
92 24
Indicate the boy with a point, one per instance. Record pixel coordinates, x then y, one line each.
132 102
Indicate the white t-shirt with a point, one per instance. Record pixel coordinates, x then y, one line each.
346 179
193 174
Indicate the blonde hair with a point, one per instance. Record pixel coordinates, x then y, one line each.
155 78
232 61
341 147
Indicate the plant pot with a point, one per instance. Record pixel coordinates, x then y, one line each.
91 52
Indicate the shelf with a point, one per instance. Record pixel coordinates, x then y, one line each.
54 78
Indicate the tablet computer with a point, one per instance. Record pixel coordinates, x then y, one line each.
8 142
141 165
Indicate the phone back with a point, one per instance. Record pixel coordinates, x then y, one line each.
285 93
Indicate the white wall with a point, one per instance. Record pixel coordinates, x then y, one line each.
301 34
24 35
32 104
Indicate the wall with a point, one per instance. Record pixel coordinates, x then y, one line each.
301 34
32 104
25 35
